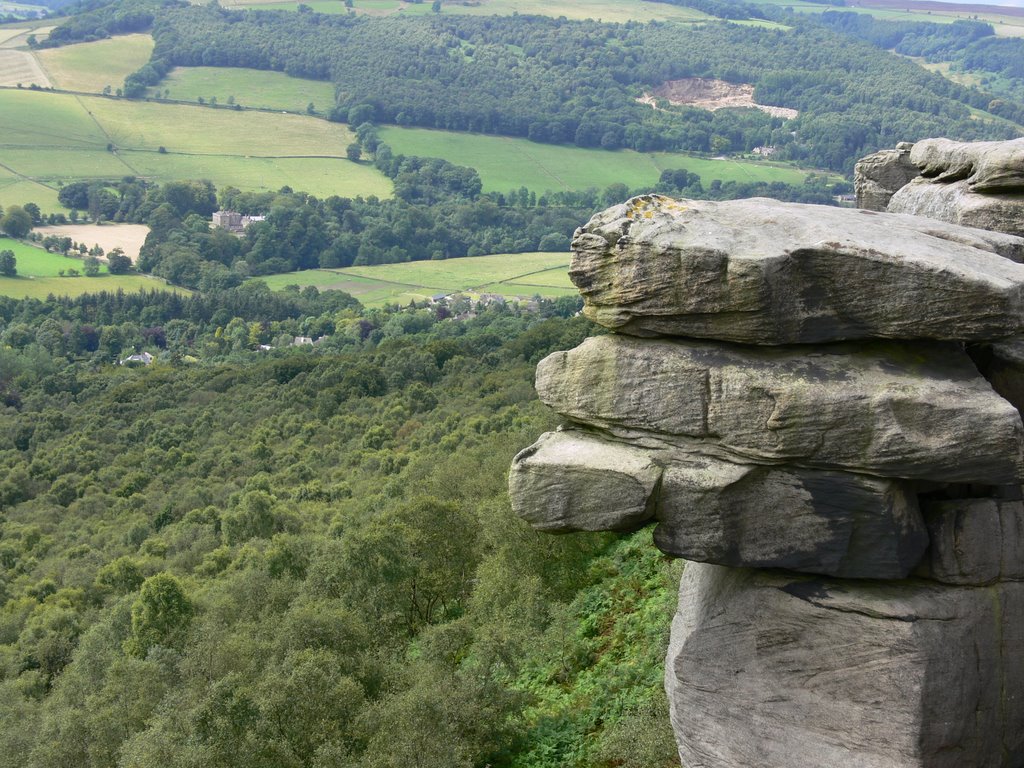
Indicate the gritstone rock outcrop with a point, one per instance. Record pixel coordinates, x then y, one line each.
800 400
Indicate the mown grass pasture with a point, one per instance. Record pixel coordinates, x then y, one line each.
37 262
506 163
50 138
605 10
247 87
197 129
15 190
39 275
41 287
509 274
90 67
322 177
36 120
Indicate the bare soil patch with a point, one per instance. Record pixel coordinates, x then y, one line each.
127 237
711 95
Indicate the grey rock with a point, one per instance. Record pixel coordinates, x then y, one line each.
763 272
1002 365
974 541
955 203
987 166
918 412
571 481
709 510
877 177
814 521
768 669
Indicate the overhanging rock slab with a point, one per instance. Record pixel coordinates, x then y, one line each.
759 271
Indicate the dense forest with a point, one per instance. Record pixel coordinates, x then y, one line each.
234 557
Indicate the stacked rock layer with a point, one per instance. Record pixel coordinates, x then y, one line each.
787 394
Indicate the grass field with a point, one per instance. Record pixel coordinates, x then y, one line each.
1005 26
89 67
14 190
317 176
36 262
41 287
48 138
38 276
506 163
520 275
605 10
249 87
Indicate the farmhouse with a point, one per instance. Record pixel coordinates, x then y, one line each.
233 221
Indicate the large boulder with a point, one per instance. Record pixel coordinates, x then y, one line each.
714 511
911 411
877 177
763 272
768 669
987 166
956 203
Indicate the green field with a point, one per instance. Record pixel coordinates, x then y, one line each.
605 10
1005 26
89 67
50 138
38 275
36 262
322 177
14 190
248 87
520 275
506 163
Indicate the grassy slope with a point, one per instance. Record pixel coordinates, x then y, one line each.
50 138
506 163
250 88
91 66
509 274
38 277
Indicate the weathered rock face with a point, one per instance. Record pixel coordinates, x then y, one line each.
988 166
956 203
767 669
715 511
884 409
808 482
975 541
1002 365
762 272
572 481
877 177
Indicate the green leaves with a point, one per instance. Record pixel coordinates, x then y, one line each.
160 616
